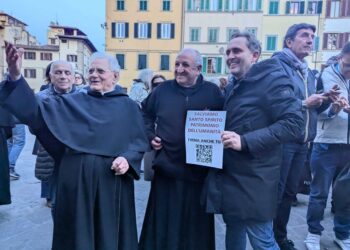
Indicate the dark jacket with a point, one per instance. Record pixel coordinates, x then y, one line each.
44 164
6 123
263 109
310 115
167 105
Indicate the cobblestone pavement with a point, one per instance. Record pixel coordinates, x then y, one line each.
26 223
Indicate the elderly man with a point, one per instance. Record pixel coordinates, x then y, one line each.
6 123
98 140
60 84
174 218
297 45
330 154
262 113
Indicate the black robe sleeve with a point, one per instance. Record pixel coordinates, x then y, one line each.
19 99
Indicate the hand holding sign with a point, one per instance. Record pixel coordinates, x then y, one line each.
231 140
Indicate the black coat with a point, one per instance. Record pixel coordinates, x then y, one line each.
263 109
309 115
6 122
84 133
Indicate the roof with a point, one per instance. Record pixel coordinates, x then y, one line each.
5 14
85 39
40 47
79 32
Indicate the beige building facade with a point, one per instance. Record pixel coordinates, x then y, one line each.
64 43
144 34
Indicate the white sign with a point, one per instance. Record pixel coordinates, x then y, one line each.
203 138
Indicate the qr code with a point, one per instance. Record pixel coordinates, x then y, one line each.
204 153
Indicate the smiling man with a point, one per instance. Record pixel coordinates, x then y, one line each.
174 218
298 43
262 112
97 140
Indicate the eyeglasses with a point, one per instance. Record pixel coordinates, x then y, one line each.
98 70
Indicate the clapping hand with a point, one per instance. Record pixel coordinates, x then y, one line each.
14 60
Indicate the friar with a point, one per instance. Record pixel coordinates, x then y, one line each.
98 140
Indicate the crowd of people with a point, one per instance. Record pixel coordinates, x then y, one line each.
280 115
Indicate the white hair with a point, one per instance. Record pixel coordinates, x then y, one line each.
112 61
193 53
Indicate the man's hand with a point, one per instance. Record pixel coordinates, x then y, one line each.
156 143
338 105
333 93
315 100
120 165
231 140
346 108
14 60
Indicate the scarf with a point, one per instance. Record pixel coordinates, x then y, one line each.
300 65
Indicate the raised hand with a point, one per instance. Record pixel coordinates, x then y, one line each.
14 60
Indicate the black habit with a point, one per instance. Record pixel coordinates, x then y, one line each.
174 218
6 123
84 133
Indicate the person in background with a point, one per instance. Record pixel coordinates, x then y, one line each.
141 86
15 146
45 165
79 80
156 80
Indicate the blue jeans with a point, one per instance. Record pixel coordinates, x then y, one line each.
260 234
16 143
326 162
292 168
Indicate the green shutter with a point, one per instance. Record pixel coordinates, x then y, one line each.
207 5
227 5
239 5
204 67
288 8
218 65
302 7
220 5
189 4
202 4
246 5
259 5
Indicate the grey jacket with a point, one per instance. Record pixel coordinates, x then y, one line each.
333 128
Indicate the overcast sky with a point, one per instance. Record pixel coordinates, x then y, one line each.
87 15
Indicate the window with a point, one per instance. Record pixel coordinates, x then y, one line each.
334 10
120 5
72 58
120 30
314 7
29 55
295 7
46 56
234 5
252 30
143 5
121 60
142 62
166 5
273 7
271 42
335 41
142 30
230 32
213 35
164 62
29 73
64 41
194 34
252 5
212 65
165 30
53 41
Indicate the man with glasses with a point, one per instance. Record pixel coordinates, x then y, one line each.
98 140
330 154
174 218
